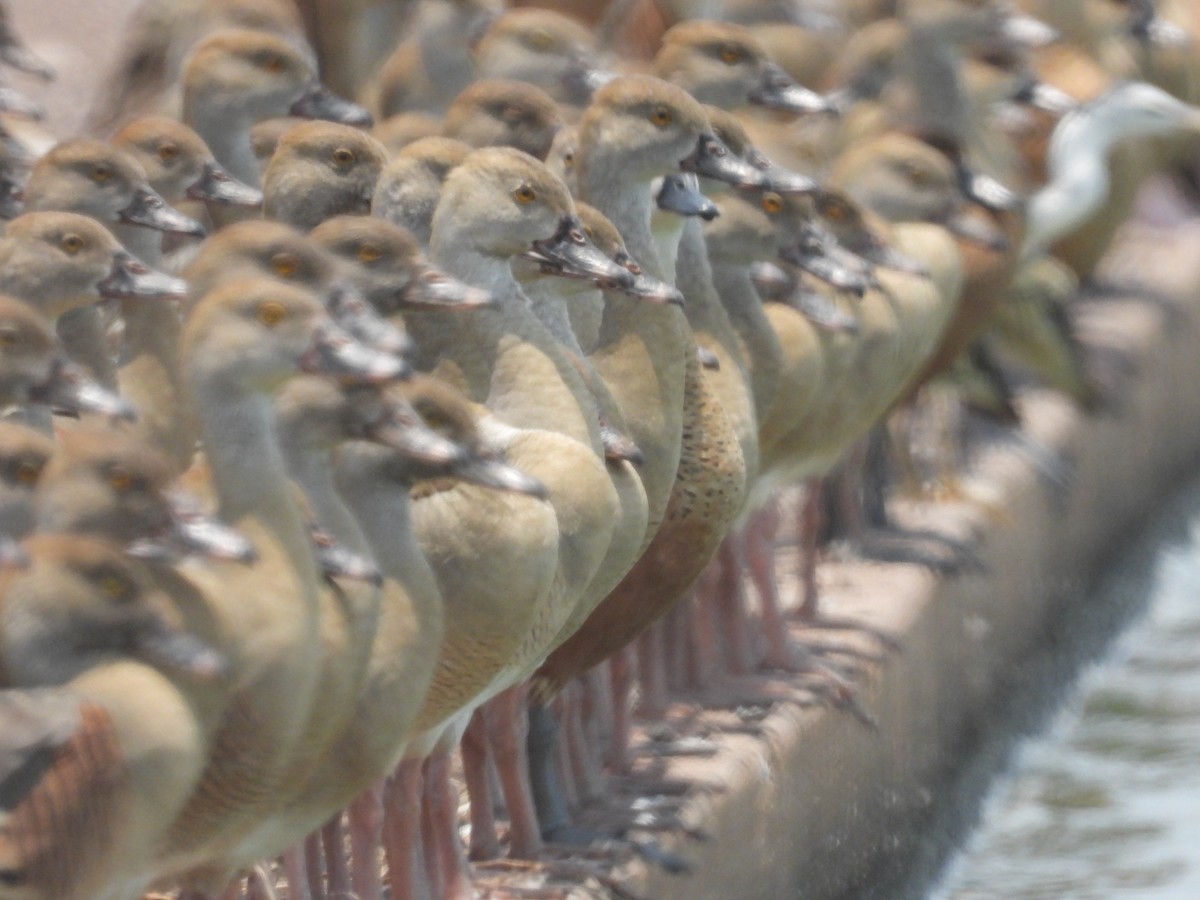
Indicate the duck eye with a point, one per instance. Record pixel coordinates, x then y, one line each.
285 265
662 117
835 211
29 471
71 244
167 152
9 336
121 480
102 174
271 313
369 253
115 587
568 160
772 202
273 63
524 194
731 55
343 156
541 40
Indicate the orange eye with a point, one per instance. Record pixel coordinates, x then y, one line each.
369 253
271 313
102 174
285 265
71 244
29 471
772 202
120 480
662 117
167 152
343 156
116 588
9 336
524 194
274 63
541 40
835 212
731 55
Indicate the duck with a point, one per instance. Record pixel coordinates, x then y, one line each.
409 186
501 112
85 624
238 77
65 261
545 48
428 69
240 342
24 452
320 170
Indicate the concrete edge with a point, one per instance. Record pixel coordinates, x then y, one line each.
818 803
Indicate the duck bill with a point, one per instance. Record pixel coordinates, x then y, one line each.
352 312
12 101
619 447
191 533
12 554
334 352
976 229
985 191
785 181
70 391
179 652
434 289
500 476
778 90
570 254
708 359
336 563
712 159
17 55
1026 31
403 431
12 198
681 195
771 282
880 254
218 186
822 311
817 254
647 287
318 102
131 278
150 210
1037 94
1158 33
582 80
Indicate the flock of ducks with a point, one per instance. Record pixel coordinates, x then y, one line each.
339 436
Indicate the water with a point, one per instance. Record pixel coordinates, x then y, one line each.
1105 803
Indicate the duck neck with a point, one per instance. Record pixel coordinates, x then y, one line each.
703 308
510 361
381 508
228 137
551 308
247 465
313 469
627 203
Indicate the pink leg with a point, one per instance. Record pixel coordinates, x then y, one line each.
440 817
565 704
730 603
585 767
314 863
810 531
296 874
759 544
402 794
475 753
507 719
651 651
365 818
336 864
259 886
621 676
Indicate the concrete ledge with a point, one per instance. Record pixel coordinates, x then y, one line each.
819 806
